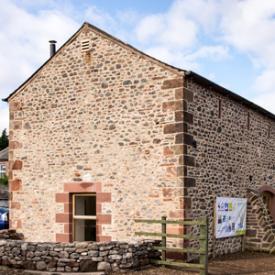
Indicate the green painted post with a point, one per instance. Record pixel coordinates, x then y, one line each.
163 239
204 246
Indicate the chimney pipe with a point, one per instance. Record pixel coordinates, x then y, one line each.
52 47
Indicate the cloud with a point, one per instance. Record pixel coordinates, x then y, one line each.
24 44
266 100
175 36
24 41
249 26
192 33
167 30
265 82
213 53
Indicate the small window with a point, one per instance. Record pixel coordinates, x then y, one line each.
2 170
84 217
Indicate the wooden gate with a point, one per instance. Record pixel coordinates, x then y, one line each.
202 238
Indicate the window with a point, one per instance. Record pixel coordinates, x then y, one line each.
84 217
2 170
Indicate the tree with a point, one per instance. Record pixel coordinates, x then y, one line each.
4 140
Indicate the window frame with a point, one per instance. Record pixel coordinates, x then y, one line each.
81 217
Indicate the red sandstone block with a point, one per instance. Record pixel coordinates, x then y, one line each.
16 124
103 197
171 171
17 165
104 238
175 230
167 151
62 218
67 228
177 214
188 95
15 106
173 105
167 192
98 208
15 185
67 208
98 230
187 203
82 187
62 238
104 219
15 205
178 149
18 224
15 145
179 93
172 83
62 197
174 128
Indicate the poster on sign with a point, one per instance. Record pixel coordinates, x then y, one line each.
230 217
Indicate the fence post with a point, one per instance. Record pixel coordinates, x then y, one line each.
163 239
204 245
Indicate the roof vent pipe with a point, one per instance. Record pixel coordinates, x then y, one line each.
52 47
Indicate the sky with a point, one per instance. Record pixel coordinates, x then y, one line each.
231 42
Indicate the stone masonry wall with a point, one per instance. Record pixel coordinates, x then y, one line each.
74 257
260 235
232 148
103 121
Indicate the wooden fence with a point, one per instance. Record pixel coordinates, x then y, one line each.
202 238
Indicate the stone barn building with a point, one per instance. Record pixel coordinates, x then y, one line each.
102 133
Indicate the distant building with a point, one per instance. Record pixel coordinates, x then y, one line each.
4 158
4 195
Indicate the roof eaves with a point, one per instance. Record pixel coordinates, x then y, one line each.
206 82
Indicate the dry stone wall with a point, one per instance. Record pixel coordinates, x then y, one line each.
10 234
232 148
104 118
76 257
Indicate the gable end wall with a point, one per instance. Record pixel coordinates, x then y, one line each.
108 117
